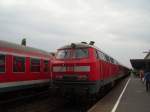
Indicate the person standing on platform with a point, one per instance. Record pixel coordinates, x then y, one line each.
147 79
141 74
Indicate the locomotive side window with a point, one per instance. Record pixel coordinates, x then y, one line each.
35 65
101 55
81 53
96 54
2 63
112 60
18 64
107 58
46 66
115 62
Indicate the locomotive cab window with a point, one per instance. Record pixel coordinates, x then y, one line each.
81 53
72 53
63 54
35 65
46 66
2 63
18 64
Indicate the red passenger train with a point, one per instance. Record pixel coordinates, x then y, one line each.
23 67
84 67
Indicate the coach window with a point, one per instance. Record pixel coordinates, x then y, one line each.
46 66
35 65
18 64
2 63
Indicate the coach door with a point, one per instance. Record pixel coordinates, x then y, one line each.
3 75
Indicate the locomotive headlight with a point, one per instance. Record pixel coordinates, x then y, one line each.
82 77
82 68
59 69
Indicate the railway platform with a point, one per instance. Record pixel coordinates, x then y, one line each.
132 98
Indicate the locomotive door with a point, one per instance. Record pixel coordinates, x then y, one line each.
3 66
101 70
99 65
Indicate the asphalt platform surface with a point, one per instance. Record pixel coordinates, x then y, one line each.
134 98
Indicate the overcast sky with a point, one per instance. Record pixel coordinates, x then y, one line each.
121 28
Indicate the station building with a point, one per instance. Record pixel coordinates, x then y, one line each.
138 64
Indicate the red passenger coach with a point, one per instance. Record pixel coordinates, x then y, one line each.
84 67
23 67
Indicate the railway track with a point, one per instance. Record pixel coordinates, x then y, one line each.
42 100
21 95
48 101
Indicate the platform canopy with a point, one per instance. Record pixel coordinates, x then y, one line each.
140 63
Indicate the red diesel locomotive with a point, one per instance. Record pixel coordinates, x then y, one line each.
84 67
23 67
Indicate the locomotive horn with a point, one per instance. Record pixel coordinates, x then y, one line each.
91 43
84 42
73 45
23 42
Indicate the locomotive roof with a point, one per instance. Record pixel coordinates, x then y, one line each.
78 45
14 46
82 45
